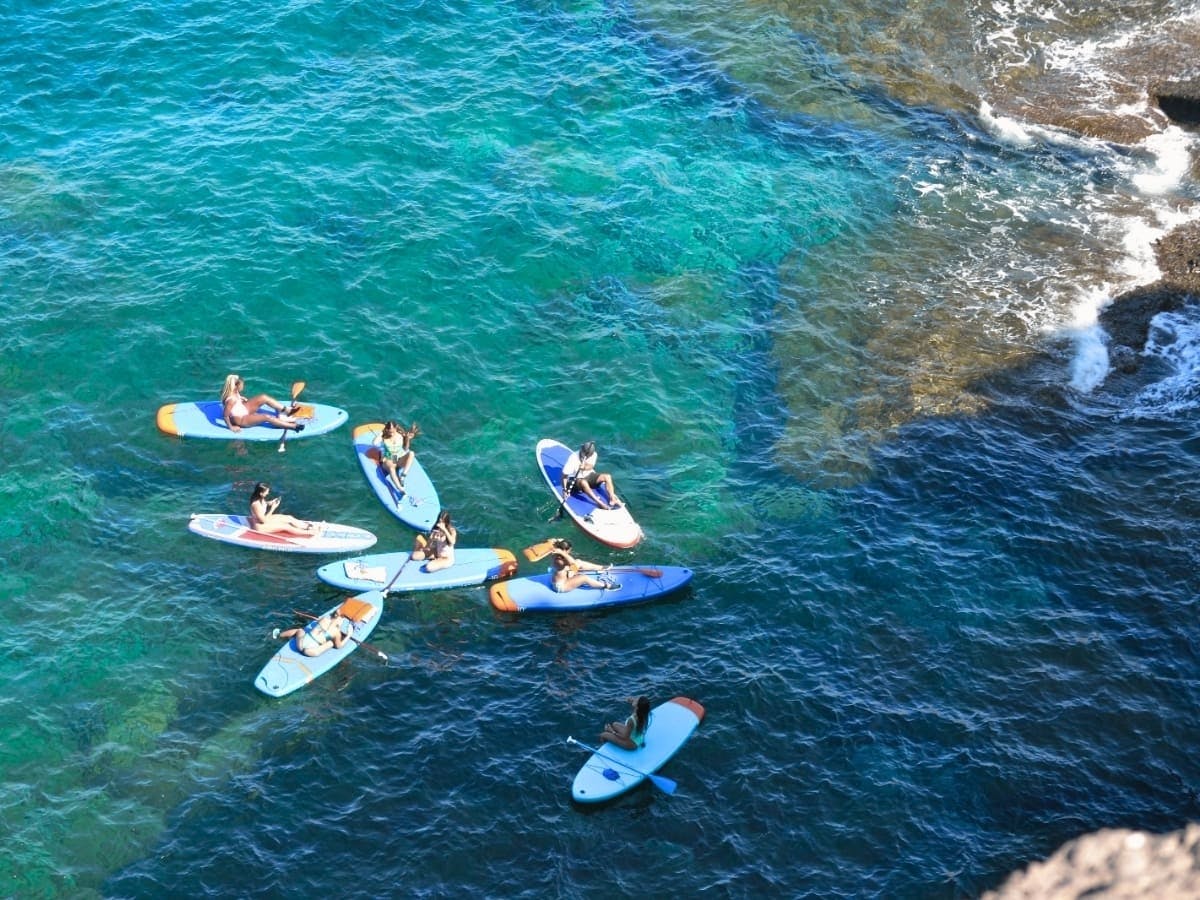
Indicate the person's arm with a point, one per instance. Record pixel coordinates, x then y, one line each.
570 470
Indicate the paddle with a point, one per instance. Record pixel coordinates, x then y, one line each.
383 656
297 387
399 572
666 785
537 551
562 504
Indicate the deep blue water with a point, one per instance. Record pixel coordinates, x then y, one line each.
833 333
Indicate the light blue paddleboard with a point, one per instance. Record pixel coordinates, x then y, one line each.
611 770
204 419
289 669
328 538
637 584
377 571
418 507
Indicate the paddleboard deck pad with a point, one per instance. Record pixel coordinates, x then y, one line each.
328 538
418 507
289 669
377 571
637 584
612 770
204 419
614 527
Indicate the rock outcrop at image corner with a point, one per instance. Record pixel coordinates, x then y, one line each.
1114 864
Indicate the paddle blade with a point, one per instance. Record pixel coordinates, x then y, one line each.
666 785
297 387
537 551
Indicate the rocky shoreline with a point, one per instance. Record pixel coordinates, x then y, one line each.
1126 320
1118 864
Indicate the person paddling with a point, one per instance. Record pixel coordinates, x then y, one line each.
579 475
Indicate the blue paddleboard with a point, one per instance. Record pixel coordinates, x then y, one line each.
377 571
637 584
204 419
611 770
289 669
418 507
614 527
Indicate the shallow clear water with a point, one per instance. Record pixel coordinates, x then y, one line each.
825 336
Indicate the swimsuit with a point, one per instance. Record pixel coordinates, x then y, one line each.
388 453
638 737
238 409
309 633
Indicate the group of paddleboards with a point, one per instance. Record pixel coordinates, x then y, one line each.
611 770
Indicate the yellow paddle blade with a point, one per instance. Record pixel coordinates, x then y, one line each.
297 387
537 551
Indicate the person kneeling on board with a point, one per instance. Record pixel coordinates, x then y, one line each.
326 633
630 734
579 475
438 548
568 573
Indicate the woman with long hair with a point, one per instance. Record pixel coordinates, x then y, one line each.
630 734
568 573
263 516
437 549
240 412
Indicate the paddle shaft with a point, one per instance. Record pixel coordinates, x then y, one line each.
562 504
297 387
371 647
666 785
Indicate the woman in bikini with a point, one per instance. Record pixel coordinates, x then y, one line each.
241 413
630 734
264 518
395 452
568 573
437 549
319 635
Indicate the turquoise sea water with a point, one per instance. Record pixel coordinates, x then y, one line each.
829 328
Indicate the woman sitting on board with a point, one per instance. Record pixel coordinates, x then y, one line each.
630 734
437 549
579 475
395 452
240 413
319 635
568 573
264 518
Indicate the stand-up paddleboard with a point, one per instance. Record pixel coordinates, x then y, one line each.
379 570
418 506
637 584
327 538
289 669
204 419
611 770
614 527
